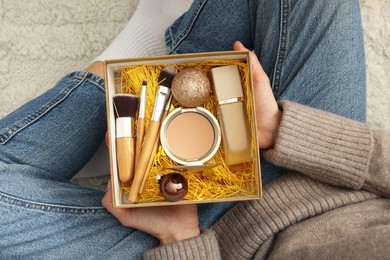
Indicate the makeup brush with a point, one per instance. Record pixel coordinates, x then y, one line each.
125 108
140 122
155 147
162 96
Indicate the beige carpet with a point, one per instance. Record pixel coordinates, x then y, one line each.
41 40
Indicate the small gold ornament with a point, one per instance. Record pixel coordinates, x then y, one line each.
191 87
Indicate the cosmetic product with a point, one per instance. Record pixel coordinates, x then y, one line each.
140 122
125 107
173 187
162 95
190 137
155 147
191 87
232 115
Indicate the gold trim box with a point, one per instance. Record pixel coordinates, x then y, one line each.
215 184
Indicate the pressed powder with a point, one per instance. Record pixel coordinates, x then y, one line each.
190 136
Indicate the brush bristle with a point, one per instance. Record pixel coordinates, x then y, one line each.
166 76
144 82
125 105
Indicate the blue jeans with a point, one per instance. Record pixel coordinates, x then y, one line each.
311 50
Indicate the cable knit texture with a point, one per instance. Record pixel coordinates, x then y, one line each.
204 245
323 146
300 215
286 202
379 169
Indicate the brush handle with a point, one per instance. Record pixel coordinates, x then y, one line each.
146 152
140 137
154 151
151 160
125 158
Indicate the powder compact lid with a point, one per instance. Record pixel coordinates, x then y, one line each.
190 137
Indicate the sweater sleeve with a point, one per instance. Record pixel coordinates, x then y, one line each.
202 247
332 149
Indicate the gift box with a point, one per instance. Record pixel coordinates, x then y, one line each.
199 143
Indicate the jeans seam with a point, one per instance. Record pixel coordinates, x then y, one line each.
282 48
7 133
174 43
47 207
91 78
252 21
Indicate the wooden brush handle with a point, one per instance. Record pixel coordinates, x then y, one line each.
153 154
151 160
125 158
146 152
140 137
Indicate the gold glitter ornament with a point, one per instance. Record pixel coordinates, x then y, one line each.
191 87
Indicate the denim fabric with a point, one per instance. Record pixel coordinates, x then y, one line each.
43 144
311 50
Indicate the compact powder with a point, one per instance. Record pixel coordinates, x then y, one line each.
190 136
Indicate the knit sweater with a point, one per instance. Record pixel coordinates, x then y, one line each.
333 204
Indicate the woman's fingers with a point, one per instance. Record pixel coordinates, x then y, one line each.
267 112
260 78
169 224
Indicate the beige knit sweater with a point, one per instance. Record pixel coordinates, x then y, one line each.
333 205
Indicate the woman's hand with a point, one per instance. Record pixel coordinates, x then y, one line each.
268 115
169 224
